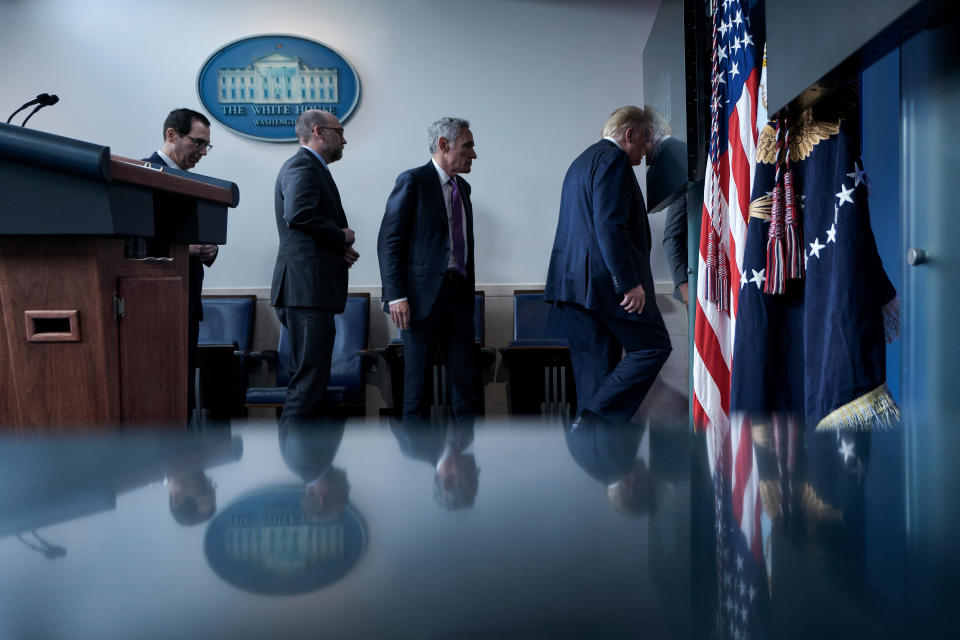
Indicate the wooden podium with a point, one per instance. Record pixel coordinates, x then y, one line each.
94 281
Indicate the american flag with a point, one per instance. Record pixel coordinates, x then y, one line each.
736 110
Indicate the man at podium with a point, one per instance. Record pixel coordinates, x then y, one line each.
186 139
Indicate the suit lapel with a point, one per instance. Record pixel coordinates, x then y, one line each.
327 177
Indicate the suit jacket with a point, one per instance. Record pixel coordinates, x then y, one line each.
196 267
414 243
666 175
602 246
310 269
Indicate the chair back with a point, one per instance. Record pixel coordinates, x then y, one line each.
479 334
536 322
353 330
228 320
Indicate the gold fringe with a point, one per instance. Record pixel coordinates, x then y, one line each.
876 408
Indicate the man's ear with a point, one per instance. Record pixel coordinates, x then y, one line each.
443 144
171 134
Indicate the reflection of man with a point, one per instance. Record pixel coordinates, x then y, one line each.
666 174
186 139
457 475
308 451
600 274
316 249
426 252
193 497
609 454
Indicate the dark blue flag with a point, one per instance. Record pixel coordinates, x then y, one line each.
816 350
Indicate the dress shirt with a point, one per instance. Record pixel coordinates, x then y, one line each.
169 160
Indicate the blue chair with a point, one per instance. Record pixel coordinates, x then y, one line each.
538 352
226 336
346 391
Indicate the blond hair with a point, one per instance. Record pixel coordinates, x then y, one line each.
624 118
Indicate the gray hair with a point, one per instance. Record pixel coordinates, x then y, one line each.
307 121
448 128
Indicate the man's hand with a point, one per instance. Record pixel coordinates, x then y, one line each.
683 293
634 300
205 253
400 313
349 237
350 256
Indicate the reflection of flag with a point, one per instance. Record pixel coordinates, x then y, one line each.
741 573
735 111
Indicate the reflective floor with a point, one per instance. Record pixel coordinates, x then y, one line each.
505 530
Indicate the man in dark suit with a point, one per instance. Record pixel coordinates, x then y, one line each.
666 181
316 249
457 476
186 139
600 275
426 254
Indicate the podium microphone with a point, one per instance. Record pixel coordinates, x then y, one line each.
45 100
39 98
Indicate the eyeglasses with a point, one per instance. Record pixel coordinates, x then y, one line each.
201 143
337 129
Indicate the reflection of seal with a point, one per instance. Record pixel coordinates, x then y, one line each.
264 543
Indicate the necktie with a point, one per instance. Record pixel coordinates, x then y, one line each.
457 228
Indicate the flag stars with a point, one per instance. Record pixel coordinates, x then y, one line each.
844 195
739 563
739 20
723 28
846 450
747 41
753 593
832 233
759 277
734 72
858 175
722 53
736 45
815 247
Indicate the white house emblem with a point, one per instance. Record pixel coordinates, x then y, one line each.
258 86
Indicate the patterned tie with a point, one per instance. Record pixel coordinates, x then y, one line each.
457 227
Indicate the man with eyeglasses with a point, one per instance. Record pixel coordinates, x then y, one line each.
316 249
186 139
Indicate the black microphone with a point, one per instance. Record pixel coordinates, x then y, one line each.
43 97
45 100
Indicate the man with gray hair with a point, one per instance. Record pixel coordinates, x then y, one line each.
316 249
600 275
426 252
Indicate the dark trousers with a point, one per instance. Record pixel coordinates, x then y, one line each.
449 325
609 386
193 336
312 332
